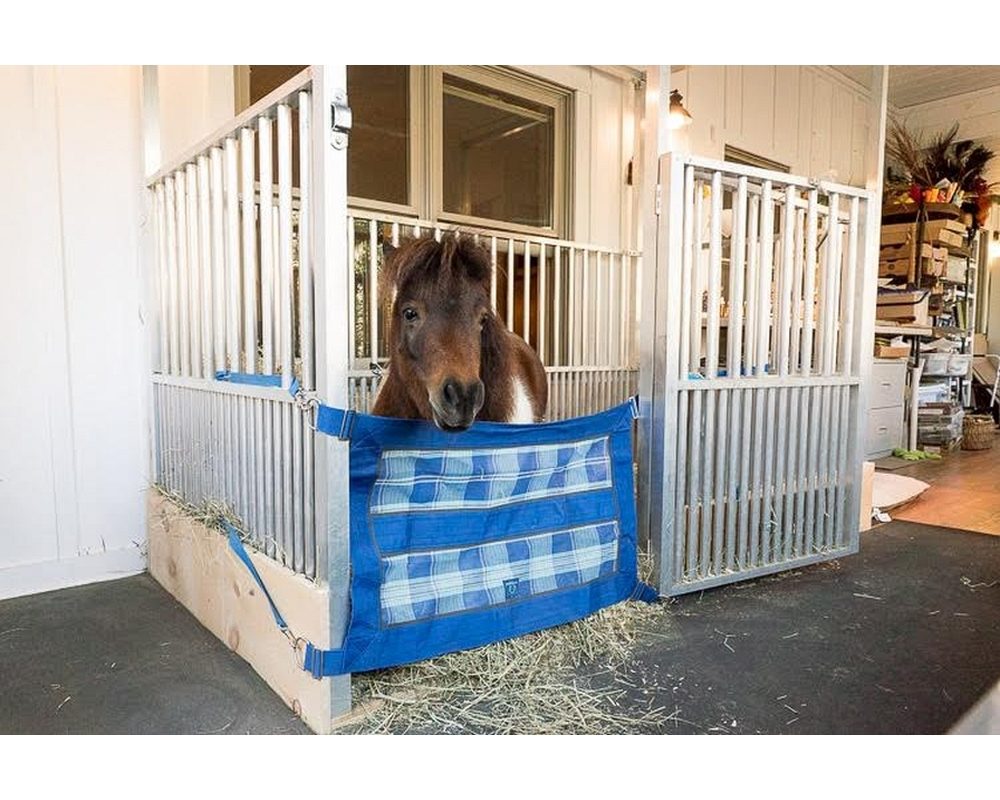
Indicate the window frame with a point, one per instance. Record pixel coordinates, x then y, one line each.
512 83
417 162
426 154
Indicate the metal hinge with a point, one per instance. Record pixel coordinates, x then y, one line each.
658 202
342 119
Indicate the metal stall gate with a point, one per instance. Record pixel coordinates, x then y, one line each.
760 337
233 227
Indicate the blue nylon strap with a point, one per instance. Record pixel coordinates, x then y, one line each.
321 663
318 663
645 593
335 422
244 556
248 379
329 420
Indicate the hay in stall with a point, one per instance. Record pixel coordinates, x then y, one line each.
573 678
570 679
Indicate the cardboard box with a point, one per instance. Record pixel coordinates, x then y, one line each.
888 351
978 344
900 306
867 491
948 232
893 269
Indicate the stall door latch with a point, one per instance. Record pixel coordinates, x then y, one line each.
341 120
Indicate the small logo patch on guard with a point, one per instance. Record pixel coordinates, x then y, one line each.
510 588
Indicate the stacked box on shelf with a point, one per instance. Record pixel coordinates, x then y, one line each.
898 254
939 424
896 261
937 232
903 306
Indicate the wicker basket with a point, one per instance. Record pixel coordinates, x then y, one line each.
977 432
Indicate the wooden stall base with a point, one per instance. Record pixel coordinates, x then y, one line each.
194 563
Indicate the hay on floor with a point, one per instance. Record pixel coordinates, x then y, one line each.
573 678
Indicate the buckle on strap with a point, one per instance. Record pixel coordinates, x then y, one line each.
312 661
346 425
307 402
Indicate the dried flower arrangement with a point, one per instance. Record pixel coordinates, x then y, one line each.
942 170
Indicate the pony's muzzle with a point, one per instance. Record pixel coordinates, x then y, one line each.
457 404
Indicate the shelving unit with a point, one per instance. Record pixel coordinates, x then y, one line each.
934 259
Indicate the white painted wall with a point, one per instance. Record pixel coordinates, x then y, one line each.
978 116
193 102
74 454
813 119
603 142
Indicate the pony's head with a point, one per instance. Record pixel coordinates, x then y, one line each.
441 325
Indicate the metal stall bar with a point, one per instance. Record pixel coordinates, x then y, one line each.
285 327
162 275
206 266
265 180
180 193
195 267
333 277
218 261
232 227
306 561
249 251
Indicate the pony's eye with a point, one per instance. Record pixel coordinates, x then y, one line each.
410 314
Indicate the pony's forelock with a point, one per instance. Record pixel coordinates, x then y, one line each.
425 259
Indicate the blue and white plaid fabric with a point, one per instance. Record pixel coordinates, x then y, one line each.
478 479
458 540
417 586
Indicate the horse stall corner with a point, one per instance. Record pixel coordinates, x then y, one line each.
266 279
737 338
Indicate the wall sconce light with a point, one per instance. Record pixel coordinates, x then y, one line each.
678 116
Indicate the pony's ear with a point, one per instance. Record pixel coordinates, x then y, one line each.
387 250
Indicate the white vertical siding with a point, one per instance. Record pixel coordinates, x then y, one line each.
72 344
810 118
602 119
193 102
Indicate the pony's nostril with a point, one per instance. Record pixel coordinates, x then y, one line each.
452 393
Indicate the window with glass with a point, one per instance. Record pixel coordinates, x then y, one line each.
497 155
476 145
378 159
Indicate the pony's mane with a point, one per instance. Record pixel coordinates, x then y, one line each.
427 260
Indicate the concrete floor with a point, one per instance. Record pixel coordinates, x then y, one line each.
902 638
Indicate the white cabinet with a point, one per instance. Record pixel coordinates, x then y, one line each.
885 417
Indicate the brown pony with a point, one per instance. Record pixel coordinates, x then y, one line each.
451 359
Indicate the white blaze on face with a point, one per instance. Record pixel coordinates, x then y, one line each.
521 411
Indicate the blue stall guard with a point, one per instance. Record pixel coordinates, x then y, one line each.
459 540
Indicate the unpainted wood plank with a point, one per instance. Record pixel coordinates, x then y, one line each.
195 564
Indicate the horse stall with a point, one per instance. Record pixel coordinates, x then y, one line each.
262 269
745 338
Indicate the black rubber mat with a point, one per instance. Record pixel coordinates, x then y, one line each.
125 657
901 638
